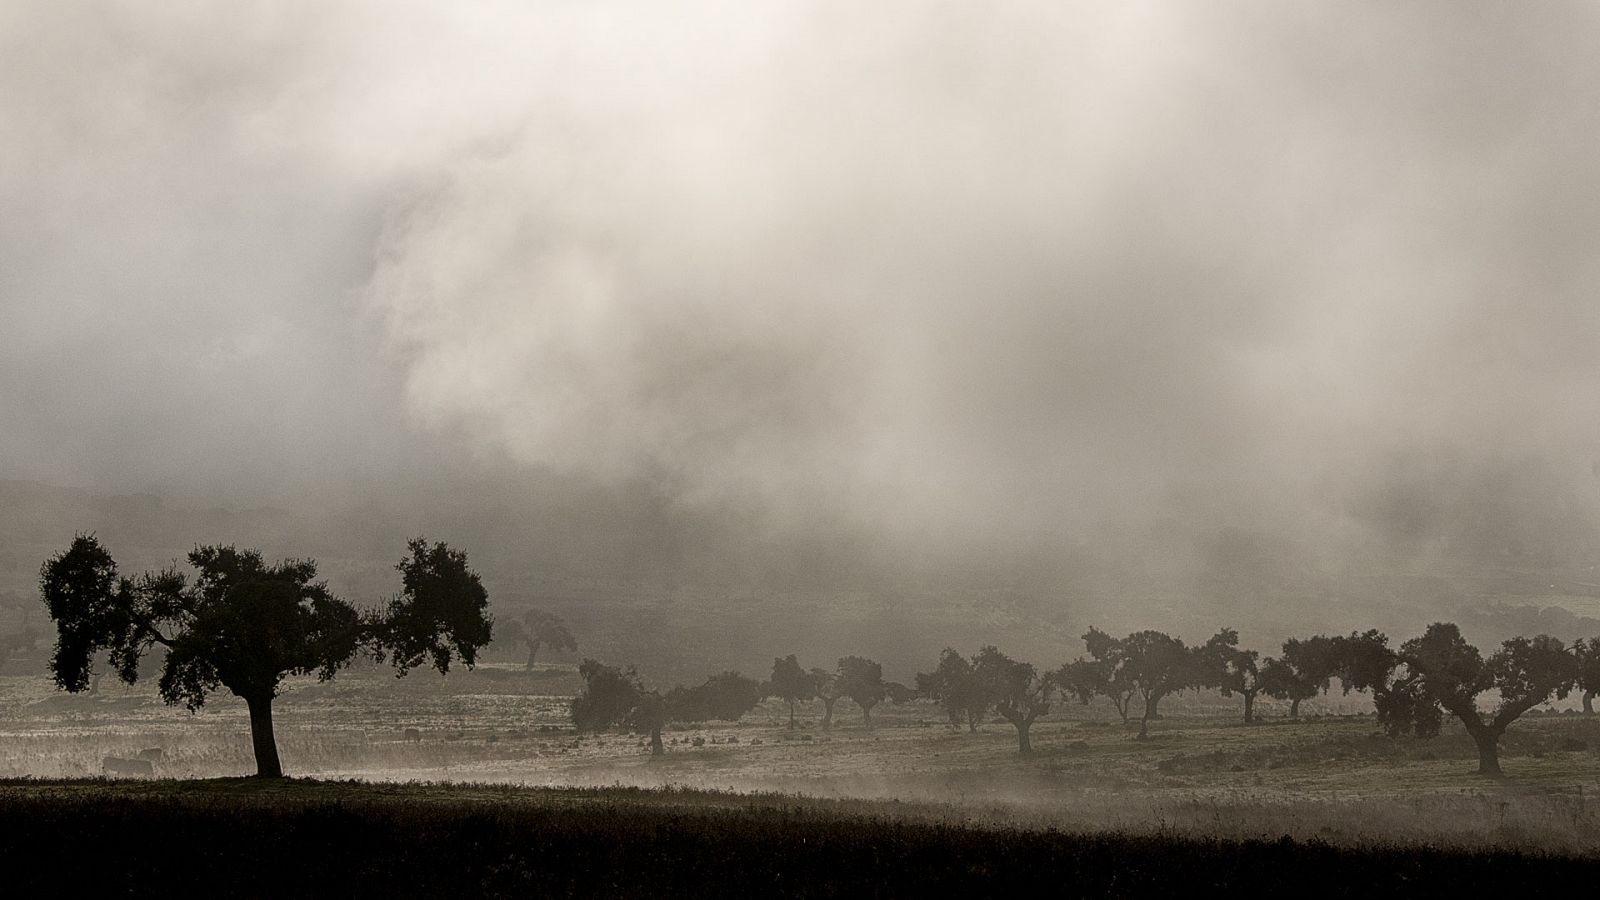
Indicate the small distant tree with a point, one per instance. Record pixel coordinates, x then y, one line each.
1015 689
1231 670
862 682
650 714
245 625
1105 673
898 693
613 697
954 687
723 698
791 684
829 688
1451 673
1280 681
1364 662
1587 653
1302 672
1157 664
544 629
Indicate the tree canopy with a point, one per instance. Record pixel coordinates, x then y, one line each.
724 697
1016 690
954 686
1450 673
790 683
534 629
862 681
244 625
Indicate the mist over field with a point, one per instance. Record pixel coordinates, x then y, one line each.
898 325
798 448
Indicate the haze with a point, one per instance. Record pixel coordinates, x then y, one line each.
1126 310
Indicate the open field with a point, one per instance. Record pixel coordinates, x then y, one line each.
247 837
1328 777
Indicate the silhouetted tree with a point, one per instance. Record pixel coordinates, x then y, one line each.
1301 673
244 625
536 629
724 698
953 686
898 693
1015 689
614 697
1587 653
1451 673
1364 662
790 683
829 687
650 714
1231 670
862 682
1105 674
1156 664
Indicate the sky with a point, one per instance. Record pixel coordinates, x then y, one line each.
802 289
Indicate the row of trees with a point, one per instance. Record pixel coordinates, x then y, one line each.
614 696
1412 688
244 625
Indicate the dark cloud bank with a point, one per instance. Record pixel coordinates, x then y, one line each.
1136 313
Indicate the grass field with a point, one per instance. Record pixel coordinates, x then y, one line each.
249 838
1328 776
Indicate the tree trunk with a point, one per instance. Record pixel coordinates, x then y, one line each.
1294 708
1150 706
1588 703
655 743
791 715
827 712
972 722
1122 707
533 650
1488 742
866 715
266 746
1249 708
1023 747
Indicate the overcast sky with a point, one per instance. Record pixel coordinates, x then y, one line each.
930 274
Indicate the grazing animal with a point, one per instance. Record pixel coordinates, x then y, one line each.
154 754
413 735
111 765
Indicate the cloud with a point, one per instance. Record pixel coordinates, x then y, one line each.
940 275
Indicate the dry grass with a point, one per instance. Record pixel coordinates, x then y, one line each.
1332 779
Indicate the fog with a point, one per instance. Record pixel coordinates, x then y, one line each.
1125 309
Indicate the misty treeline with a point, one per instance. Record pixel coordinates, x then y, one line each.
241 624
613 696
244 625
1412 687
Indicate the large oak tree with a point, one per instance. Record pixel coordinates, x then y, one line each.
1451 673
244 625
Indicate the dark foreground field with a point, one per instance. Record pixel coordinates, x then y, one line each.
241 837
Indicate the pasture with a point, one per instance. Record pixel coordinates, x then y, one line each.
1329 777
